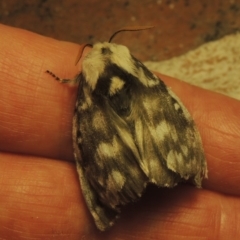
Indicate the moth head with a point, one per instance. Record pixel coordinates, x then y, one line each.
102 55
138 28
102 58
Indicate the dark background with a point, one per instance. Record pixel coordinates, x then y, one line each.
180 25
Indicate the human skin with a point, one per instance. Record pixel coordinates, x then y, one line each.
40 195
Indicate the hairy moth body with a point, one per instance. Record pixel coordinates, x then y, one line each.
129 130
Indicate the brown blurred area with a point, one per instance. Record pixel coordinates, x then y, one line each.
180 25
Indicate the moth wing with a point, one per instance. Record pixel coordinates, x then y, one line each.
169 147
166 136
110 174
103 217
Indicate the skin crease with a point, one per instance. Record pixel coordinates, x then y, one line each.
40 196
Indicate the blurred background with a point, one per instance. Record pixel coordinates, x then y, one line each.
180 26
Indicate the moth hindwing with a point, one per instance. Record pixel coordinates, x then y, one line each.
129 130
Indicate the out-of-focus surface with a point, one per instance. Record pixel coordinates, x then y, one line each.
180 25
214 65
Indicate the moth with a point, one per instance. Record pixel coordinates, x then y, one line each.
129 130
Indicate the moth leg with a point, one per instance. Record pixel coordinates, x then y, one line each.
62 80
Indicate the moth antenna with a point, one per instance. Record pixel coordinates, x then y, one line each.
80 52
136 28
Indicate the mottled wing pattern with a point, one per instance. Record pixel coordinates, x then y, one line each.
110 174
129 130
166 136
